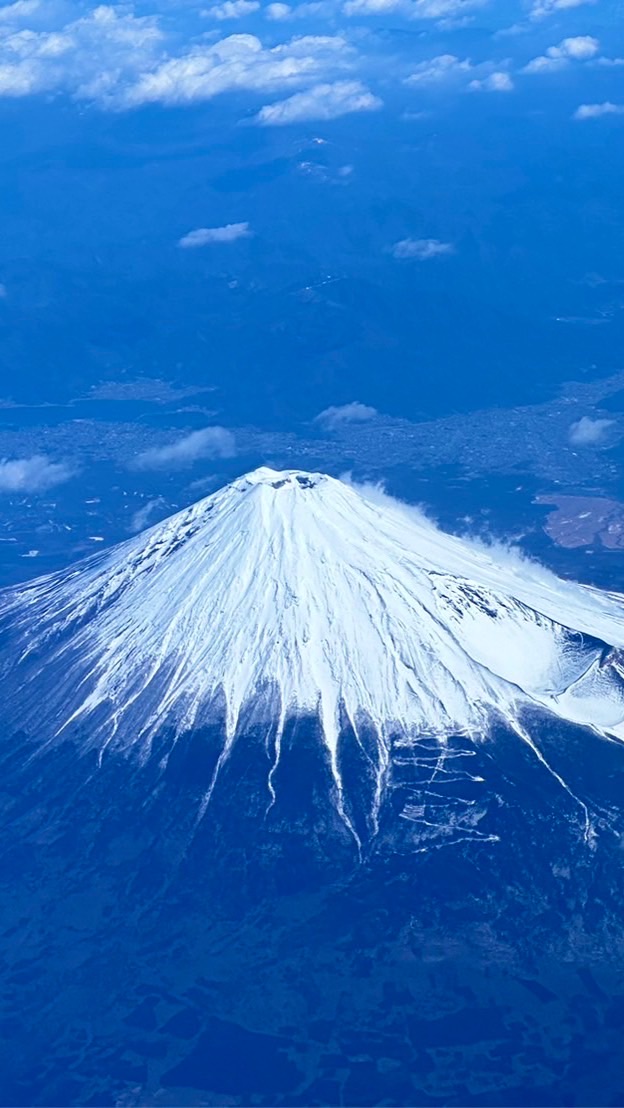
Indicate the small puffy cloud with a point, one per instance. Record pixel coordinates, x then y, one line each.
589 432
34 474
422 249
495 82
325 101
595 111
278 12
580 48
337 416
205 236
231 9
543 8
442 68
211 442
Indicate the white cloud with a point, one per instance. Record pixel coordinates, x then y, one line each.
285 13
595 111
89 57
231 9
211 442
441 68
336 416
143 515
21 9
543 8
325 101
422 249
34 474
204 236
589 432
580 48
119 60
495 82
238 62
278 12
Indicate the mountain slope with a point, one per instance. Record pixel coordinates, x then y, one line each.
295 594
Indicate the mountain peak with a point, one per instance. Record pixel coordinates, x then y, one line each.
294 479
295 592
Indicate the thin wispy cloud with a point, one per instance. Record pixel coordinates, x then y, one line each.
339 415
286 13
421 249
543 8
231 9
580 48
211 442
589 432
596 111
441 68
37 473
206 236
145 514
444 11
324 101
21 9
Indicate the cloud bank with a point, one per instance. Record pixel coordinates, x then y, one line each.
120 60
238 62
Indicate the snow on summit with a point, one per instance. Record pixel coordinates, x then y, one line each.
303 594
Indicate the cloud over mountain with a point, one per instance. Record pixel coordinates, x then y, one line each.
422 249
204 236
34 474
338 415
210 442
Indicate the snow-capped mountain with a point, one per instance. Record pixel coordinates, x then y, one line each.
294 594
